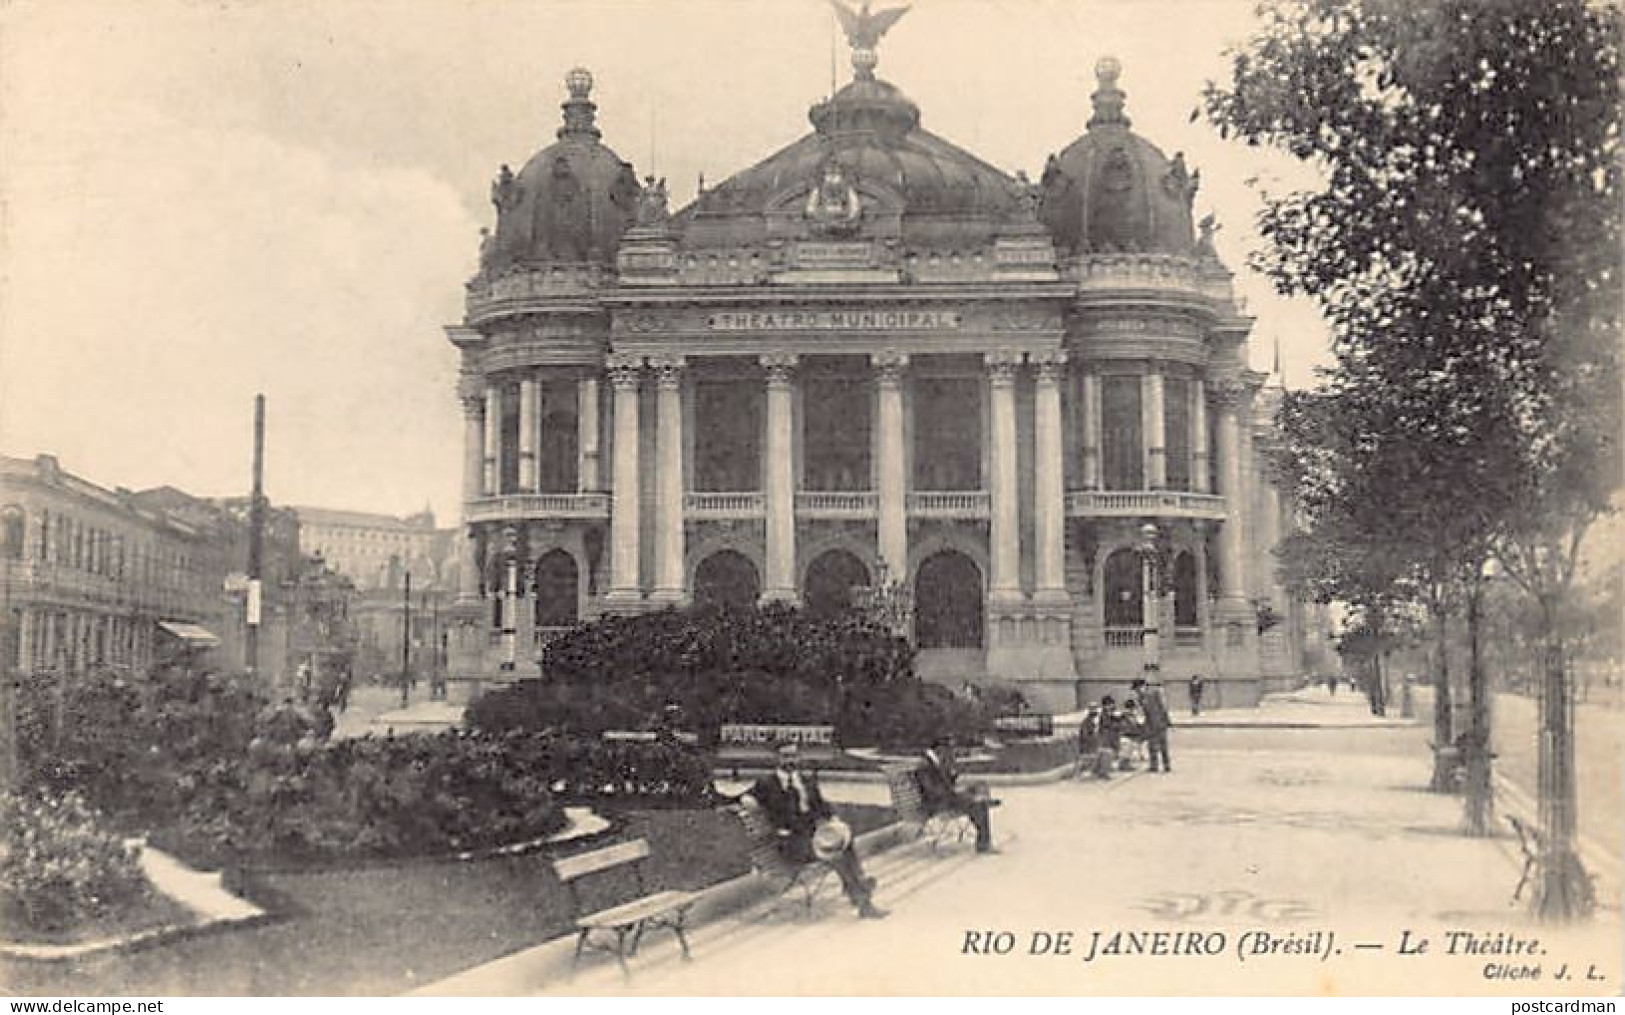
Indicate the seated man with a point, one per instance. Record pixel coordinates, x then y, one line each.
937 776
792 802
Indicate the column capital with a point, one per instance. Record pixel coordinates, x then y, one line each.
780 366
889 365
1226 393
668 370
470 385
1049 365
1002 365
624 369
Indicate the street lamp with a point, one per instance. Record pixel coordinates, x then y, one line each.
1150 601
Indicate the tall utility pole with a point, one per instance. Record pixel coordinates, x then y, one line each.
256 539
406 641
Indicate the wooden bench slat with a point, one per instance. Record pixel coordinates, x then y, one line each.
639 909
574 867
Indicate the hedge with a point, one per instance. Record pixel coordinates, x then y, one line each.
59 869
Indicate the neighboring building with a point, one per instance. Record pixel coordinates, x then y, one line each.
374 550
109 578
378 552
874 354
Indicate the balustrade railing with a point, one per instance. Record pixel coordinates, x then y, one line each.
949 503
539 505
1188 637
747 504
1137 503
836 503
1124 637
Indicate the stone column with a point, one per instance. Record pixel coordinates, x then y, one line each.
780 479
1091 431
625 581
510 604
1232 576
529 396
493 440
25 641
1049 479
1156 444
1005 582
889 469
1199 451
587 434
669 584
468 579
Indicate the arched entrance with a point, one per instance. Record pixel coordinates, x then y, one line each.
727 578
948 602
557 584
1123 591
830 580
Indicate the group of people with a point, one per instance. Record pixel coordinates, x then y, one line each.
1109 730
809 829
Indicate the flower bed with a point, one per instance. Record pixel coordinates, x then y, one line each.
64 878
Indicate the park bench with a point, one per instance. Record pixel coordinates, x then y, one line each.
620 926
909 803
768 860
757 744
1532 842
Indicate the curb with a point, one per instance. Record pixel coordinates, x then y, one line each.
552 961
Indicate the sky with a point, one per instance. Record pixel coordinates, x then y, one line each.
201 201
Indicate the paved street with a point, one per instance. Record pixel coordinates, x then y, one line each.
1285 831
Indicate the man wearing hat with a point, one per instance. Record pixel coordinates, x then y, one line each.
937 776
1157 721
791 800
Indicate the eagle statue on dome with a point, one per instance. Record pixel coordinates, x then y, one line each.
863 29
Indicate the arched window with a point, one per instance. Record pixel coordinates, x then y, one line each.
1185 590
1124 606
727 578
556 590
830 580
948 602
12 528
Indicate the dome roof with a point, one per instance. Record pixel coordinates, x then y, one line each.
570 203
870 133
1111 190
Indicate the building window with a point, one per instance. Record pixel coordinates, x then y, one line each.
13 526
1176 431
727 578
727 436
948 433
836 425
556 462
556 590
1185 590
1121 452
508 465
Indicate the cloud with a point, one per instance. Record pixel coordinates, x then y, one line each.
158 274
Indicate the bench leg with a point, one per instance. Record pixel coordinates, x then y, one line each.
581 943
682 939
637 937
620 951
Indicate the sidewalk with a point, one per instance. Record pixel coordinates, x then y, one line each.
1330 834
1307 708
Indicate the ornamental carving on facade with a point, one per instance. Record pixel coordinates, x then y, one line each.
668 370
779 367
624 370
889 366
833 206
1049 364
1002 365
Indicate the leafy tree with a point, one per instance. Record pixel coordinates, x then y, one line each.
1464 249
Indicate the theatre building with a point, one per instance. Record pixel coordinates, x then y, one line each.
874 358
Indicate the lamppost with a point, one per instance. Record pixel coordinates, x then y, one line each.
1150 602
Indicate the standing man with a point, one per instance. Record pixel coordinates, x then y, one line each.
793 803
937 776
1196 693
1157 722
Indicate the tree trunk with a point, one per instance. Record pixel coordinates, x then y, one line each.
1444 765
1480 804
1563 889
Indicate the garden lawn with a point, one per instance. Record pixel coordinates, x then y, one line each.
387 929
